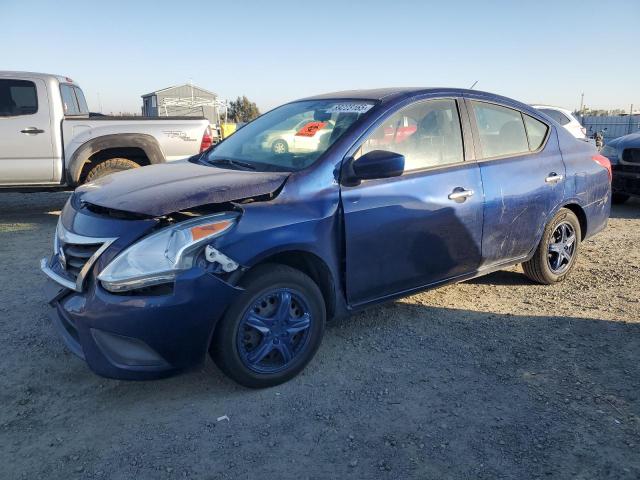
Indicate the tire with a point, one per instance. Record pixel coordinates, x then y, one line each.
112 165
619 198
236 345
540 268
279 147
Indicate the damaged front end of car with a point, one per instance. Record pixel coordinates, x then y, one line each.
138 295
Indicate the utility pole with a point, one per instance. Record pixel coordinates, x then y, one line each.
581 103
629 129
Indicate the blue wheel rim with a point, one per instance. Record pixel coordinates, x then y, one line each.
274 331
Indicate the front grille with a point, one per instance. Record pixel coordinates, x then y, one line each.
75 257
631 155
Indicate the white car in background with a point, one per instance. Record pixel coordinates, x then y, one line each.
565 118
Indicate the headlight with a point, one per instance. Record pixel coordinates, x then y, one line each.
159 257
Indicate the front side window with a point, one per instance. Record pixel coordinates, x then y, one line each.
427 133
289 138
559 117
501 130
18 97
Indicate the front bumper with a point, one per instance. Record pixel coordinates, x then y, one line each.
139 337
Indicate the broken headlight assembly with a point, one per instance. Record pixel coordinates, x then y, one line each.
159 257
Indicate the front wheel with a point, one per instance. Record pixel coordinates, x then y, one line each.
556 254
279 147
273 330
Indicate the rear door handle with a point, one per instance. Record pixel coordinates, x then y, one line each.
32 131
460 194
554 178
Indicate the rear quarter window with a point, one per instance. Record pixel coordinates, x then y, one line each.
536 132
18 97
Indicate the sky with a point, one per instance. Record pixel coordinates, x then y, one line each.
544 51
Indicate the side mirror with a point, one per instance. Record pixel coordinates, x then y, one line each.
378 164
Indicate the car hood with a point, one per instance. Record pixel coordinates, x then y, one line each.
158 190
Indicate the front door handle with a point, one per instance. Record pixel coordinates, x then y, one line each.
31 131
460 194
554 178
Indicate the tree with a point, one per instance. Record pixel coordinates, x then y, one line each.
242 110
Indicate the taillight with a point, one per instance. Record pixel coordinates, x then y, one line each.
604 162
207 139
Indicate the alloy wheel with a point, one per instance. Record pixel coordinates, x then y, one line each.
562 247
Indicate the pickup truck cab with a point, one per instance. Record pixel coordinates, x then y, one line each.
245 250
48 139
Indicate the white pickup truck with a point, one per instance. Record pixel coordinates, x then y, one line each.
48 138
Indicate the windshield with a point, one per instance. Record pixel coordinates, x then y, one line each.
288 138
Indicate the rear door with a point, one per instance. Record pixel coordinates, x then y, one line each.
26 136
420 228
523 177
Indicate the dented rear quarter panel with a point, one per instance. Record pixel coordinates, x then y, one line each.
587 183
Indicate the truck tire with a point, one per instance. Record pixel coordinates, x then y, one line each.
557 251
107 167
619 198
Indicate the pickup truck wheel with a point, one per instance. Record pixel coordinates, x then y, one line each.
272 330
556 254
619 198
112 165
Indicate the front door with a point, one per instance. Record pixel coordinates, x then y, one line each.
424 226
26 137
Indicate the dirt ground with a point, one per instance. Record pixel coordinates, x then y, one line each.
494 378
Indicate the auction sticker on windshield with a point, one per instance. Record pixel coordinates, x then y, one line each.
310 129
350 108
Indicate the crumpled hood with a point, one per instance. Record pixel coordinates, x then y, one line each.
162 189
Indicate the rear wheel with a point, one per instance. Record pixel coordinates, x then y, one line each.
619 198
107 167
556 254
272 331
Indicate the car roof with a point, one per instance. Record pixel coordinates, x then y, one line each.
384 94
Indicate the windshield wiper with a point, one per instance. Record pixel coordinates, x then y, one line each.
234 163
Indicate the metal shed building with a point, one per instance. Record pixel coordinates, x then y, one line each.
183 101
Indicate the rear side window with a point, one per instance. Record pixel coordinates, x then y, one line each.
501 130
559 117
73 100
18 97
82 103
69 101
536 131
427 133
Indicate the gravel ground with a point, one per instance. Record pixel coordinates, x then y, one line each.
494 378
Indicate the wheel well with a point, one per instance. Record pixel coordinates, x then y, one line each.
582 217
314 267
134 154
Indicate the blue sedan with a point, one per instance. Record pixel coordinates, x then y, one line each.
245 251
